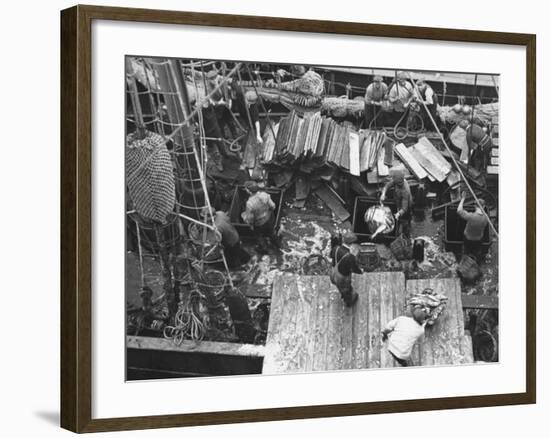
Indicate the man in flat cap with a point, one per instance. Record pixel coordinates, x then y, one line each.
403 200
344 263
259 215
221 102
401 93
374 97
430 99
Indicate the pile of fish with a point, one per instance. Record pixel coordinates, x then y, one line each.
380 220
432 303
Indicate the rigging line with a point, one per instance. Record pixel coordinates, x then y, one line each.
184 147
249 118
203 182
454 161
140 254
262 104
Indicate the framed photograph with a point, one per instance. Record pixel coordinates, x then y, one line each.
268 219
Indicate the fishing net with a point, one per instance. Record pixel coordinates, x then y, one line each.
150 176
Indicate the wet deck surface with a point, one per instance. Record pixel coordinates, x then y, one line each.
310 328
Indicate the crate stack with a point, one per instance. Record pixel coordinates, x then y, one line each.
492 168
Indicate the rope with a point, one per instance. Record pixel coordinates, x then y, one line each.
454 160
140 254
262 104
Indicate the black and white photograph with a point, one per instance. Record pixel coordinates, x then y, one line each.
288 218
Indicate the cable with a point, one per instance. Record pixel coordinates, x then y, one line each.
454 160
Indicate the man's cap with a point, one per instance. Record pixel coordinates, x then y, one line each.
463 124
251 96
212 74
398 176
298 70
377 78
402 75
349 238
251 186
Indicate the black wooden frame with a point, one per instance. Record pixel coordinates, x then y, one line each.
76 225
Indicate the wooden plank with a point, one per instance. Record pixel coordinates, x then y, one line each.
321 326
494 161
479 301
492 170
188 346
289 334
494 152
430 168
298 325
428 149
458 139
318 285
347 337
273 348
373 320
249 156
361 324
382 169
386 315
467 349
333 357
410 161
333 202
354 165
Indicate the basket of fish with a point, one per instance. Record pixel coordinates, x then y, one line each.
430 302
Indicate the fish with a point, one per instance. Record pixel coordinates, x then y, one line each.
380 220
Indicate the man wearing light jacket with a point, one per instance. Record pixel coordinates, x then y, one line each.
259 215
476 223
403 200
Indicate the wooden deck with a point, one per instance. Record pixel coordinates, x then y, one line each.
310 329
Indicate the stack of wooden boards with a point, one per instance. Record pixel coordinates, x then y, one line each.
323 139
424 160
492 168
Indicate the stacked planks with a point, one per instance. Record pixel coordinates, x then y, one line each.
436 166
408 159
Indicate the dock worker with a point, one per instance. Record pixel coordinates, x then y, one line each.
229 237
401 93
259 214
252 103
247 104
344 263
430 99
374 97
403 200
221 102
476 223
479 144
402 333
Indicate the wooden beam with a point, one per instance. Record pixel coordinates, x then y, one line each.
207 347
479 302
